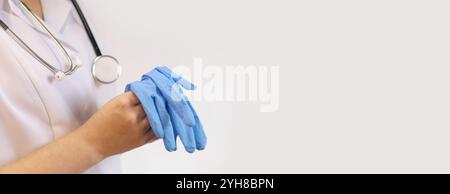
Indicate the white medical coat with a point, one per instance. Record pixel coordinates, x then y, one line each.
35 109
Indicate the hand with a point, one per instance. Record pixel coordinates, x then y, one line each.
121 125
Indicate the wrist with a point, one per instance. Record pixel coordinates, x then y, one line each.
90 144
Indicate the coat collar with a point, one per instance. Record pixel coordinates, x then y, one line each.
56 13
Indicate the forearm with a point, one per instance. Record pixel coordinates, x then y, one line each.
69 154
119 126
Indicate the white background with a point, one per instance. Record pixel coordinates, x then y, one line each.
364 84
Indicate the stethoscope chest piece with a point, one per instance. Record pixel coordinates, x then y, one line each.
106 69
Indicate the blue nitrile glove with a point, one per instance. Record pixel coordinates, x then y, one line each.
192 135
169 111
199 134
172 92
155 108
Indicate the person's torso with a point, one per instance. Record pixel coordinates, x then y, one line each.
35 109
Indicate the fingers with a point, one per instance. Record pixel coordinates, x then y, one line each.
186 84
145 124
150 136
200 135
169 137
185 132
167 113
153 116
147 92
132 98
183 111
139 111
173 95
176 78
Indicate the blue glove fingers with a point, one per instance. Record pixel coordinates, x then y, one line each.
169 138
200 135
148 103
176 78
185 132
152 115
174 97
186 84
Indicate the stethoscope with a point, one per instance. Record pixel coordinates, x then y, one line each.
105 68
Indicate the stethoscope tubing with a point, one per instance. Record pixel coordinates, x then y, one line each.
59 74
87 28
